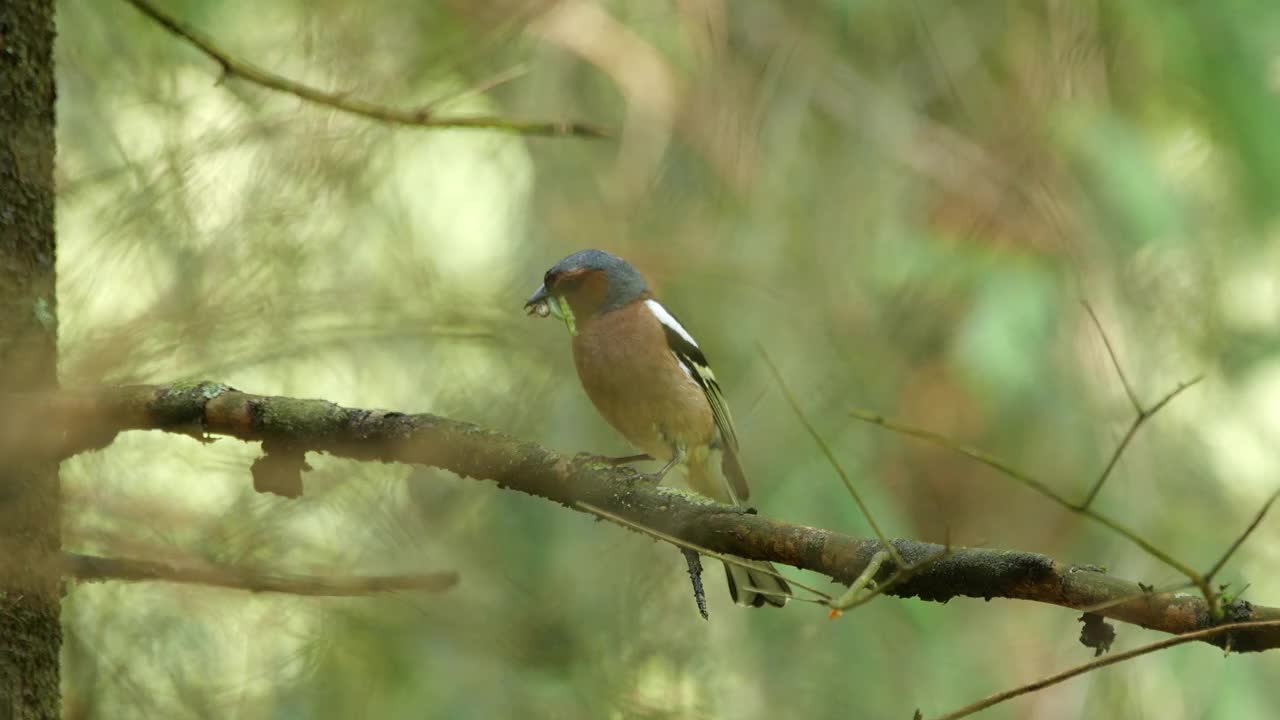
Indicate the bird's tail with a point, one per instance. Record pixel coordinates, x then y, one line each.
724 481
745 580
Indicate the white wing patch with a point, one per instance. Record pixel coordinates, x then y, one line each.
695 365
667 319
680 362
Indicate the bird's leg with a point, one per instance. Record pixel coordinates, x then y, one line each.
655 477
606 460
626 459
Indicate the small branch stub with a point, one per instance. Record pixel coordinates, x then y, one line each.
279 470
1096 633
695 577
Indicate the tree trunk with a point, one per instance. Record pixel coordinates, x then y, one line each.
30 588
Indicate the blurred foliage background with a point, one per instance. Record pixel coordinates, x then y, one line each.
905 201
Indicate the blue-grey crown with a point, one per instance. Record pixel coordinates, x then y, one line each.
625 282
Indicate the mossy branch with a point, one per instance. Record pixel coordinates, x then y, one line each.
60 424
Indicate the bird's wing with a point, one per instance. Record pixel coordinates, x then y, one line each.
694 362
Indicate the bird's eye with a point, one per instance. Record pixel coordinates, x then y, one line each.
549 279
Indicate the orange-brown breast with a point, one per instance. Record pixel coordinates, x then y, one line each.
636 383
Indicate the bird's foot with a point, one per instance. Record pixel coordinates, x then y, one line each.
631 475
584 458
625 459
623 466
648 478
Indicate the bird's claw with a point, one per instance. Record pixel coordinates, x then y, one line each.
593 459
648 478
586 458
635 477
622 466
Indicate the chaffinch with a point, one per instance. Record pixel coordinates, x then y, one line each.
649 379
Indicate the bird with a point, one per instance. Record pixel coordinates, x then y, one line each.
650 380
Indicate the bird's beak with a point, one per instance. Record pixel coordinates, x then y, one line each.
542 303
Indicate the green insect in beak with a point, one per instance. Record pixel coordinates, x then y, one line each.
543 303
565 313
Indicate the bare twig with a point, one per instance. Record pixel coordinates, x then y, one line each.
863 584
484 86
1115 360
90 568
1029 481
1103 662
900 576
1257 519
686 545
1141 414
863 589
423 116
1144 592
831 458
1138 421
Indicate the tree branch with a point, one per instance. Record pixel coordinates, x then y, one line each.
90 568
85 420
1056 678
423 116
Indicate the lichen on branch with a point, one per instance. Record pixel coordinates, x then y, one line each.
67 422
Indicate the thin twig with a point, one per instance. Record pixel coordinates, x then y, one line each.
423 116
1113 460
831 458
1146 593
860 584
854 598
1138 421
90 568
1029 481
1115 360
1257 519
1102 662
686 545
501 78
1141 414
901 575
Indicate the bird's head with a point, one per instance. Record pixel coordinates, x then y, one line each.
585 285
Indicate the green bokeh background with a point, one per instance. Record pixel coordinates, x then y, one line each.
905 202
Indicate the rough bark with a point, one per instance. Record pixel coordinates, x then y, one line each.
293 427
30 559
